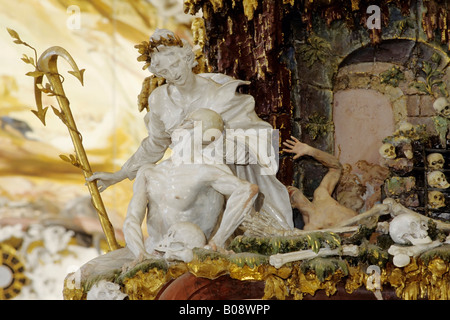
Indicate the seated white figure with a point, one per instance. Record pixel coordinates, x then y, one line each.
173 59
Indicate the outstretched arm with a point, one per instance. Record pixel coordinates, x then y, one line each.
328 160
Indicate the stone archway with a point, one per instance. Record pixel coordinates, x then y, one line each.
377 77
380 78
365 110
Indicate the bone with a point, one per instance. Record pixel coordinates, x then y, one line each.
377 210
397 209
278 260
402 254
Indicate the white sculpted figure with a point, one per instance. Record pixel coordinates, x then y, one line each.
173 59
186 192
183 203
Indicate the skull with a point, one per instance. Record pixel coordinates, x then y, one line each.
406 129
435 161
179 241
409 228
436 199
105 290
387 151
436 179
211 123
442 107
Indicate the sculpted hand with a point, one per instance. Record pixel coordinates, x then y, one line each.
297 147
106 179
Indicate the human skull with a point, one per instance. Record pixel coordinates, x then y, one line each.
211 122
179 241
406 129
409 228
436 179
436 199
105 290
442 107
387 151
435 161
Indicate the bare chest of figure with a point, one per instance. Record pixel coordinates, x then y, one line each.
174 190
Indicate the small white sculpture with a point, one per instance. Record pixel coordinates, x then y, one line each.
387 151
435 161
437 179
442 107
105 290
436 199
179 241
409 228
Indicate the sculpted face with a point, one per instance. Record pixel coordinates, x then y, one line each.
171 64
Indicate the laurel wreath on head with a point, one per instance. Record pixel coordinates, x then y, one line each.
145 48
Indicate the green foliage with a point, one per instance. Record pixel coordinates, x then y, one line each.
372 254
269 246
250 259
392 76
316 49
317 126
441 125
434 232
432 80
442 252
143 266
363 233
402 25
323 267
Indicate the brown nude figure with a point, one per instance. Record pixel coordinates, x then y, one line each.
323 211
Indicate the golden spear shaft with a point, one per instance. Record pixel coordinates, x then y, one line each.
47 64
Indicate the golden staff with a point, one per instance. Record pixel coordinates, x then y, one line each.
47 66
